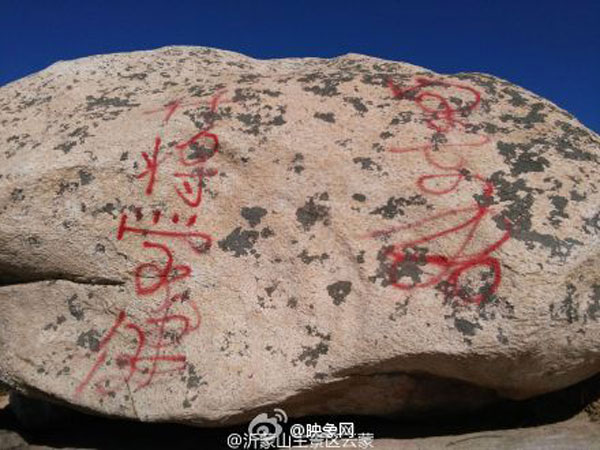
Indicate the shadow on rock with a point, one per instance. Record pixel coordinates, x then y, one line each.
54 426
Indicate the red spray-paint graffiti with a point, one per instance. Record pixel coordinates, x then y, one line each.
441 117
171 316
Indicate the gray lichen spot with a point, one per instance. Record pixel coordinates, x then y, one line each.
530 119
239 242
357 103
90 340
465 327
516 99
521 158
75 307
366 163
311 213
17 195
66 147
593 309
34 241
253 215
307 259
327 117
394 206
85 177
193 379
339 291
103 102
568 309
517 210
311 354
400 310
558 213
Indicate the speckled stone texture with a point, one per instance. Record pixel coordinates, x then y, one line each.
193 235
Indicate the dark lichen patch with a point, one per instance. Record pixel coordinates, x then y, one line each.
529 120
266 232
400 310
476 284
200 150
17 195
85 177
516 99
67 186
360 258
271 289
327 83
141 76
522 158
487 128
194 380
518 199
66 147
253 214
204 118
255 123
357 103
558 213
327 117
108 102
34 241
292 302
568 309
90 340
591 225
338 291
465 327
489 83
109 208
402 118
359 197
576 196
310 354
556 184
311 213
239 242
593 308
394 206
407 270
297 166
81 133
249 78
501 337
570 142
265 303
383 76
75 308
382 272
366 163
54 325
307 259
271 93
64 371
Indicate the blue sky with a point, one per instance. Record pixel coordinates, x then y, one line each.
549 47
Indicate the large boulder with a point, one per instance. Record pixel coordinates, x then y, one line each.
193 235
